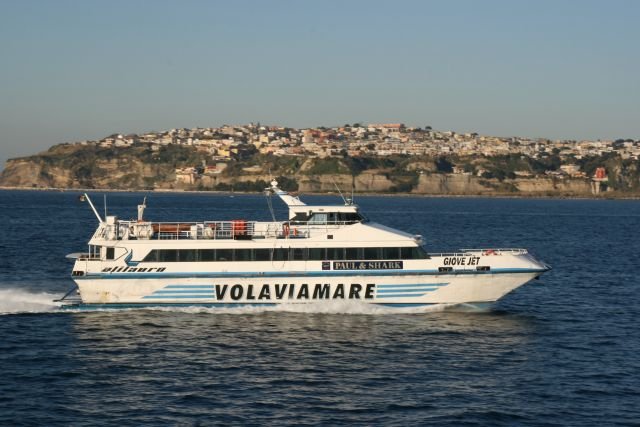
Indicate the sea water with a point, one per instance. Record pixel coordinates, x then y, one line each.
562 350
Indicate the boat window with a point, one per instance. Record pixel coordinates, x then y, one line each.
406 253
390 253
224 254
188 255
242 255
168 255
318 218
372 253
419 253
335 253
354 253
207 255
94 251
151 256
110 253
262 255
298 254
300 217
280 254
316 254
349 217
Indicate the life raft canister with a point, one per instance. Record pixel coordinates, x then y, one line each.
239 227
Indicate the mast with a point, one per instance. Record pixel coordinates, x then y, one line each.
95 211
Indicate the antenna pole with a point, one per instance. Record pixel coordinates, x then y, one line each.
105 205
95 211
340 192
353 189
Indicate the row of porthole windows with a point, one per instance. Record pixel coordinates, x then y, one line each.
284 254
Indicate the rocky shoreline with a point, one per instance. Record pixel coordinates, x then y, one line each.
603 196
74 168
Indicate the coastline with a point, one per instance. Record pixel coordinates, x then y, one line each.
604 196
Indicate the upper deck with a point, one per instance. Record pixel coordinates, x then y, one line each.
304 222
114 229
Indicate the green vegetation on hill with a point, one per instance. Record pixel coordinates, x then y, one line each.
146 166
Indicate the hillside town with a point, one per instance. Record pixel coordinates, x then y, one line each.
358 140
383 139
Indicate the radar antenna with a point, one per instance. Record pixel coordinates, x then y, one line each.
141 209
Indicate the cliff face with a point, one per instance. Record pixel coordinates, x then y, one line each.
472 185
35 173
134 169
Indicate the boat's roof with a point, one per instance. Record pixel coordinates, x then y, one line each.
323 208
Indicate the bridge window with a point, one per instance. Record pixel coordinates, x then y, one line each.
349 217
318 218
300 217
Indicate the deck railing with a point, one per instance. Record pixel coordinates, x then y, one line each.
235 229
486 251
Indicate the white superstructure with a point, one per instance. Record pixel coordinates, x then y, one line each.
320 253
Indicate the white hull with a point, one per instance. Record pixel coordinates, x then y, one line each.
387 290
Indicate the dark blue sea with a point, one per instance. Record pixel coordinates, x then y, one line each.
563 350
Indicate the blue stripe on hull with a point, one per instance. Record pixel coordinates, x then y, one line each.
403 290
411 285
189 287
404 304
83 306
184 291
194 296
401 295
119 306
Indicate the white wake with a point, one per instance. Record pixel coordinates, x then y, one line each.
21 301
14 301
315 307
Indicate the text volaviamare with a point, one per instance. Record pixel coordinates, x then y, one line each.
293 291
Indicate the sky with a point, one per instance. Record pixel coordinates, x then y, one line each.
75 70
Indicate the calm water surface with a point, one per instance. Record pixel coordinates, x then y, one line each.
564 350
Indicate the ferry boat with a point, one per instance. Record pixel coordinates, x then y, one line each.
319 254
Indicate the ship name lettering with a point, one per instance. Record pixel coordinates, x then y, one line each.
133 269
265 292
368 265
461 260
304 291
